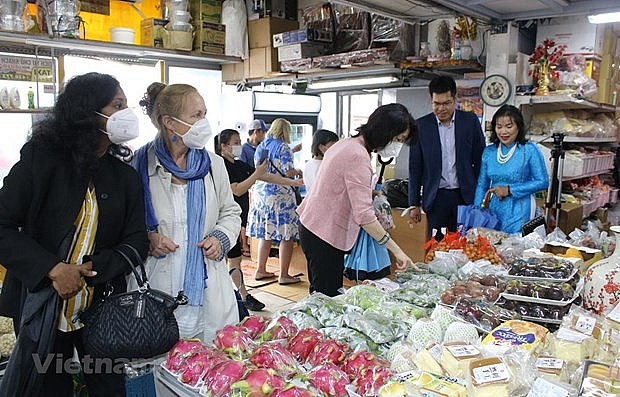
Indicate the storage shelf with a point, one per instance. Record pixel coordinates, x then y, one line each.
571 139
562 102
589 174
31 111
45 46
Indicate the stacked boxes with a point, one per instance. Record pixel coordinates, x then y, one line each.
150 32
210 34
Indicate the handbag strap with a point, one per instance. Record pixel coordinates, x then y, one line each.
281 173
142 281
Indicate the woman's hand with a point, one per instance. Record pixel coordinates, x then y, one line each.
501 191
160 245
261 169
403 261
211 247
68 279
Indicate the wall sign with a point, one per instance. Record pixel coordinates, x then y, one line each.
19 68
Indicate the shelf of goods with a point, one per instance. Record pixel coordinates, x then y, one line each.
42 45
562 102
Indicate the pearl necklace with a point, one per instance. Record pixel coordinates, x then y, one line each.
503 158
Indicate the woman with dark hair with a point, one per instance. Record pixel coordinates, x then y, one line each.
336 207
66 207
191 215
513 169
321 141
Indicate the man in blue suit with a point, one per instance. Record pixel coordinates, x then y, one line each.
445 163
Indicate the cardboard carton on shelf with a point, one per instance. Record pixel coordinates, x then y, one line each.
263 61
261 31
234 72
150 32
300 50
210 38
206 10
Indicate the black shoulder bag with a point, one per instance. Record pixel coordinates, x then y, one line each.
134 324
298 197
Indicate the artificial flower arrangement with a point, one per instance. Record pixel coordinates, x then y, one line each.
547 56
466 28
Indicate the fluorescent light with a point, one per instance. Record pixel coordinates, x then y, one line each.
344 82
605 18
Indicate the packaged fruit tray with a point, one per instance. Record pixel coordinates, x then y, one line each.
541 320
543 279
544 269
552 302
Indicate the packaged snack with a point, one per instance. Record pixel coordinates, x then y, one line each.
515 333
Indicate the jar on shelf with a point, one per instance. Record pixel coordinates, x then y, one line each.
425 49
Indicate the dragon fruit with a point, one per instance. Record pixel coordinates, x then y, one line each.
233 340
219 378
280 328
329 379
293 391
257 383
301 345
194 368
254 324
328 351
183 349
370 383
358 363
275 356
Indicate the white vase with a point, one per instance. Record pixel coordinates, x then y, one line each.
466 50
602 281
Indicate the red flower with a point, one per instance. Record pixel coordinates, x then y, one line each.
611 288
547 52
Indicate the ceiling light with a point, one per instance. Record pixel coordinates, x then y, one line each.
605 18
345 83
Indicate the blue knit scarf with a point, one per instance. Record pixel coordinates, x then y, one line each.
198 166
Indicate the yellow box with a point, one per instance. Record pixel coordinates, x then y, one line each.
211 38
593 67
150 32
206 10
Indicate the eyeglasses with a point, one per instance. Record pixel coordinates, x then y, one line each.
443 104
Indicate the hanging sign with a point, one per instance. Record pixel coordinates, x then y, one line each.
26 69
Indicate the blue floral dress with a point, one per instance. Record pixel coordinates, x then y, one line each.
525 172
273 213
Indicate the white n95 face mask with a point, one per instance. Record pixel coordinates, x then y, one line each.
390 150
236 151
122 126
198 134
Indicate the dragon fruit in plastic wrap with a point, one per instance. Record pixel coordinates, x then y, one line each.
254 324
302 344
233 340
328 351
280 328
329 379
220 377
293 391
257 383
183 349
358 363
275 356
370 383
194 368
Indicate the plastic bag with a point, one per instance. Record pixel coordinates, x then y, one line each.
234 16
383 210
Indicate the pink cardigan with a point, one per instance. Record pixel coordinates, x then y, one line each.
341 197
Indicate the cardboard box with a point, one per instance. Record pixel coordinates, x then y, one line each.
299 51
579 35
571 217
206 10
234 72
263 61
261 31
301 36
150 32
211 38
410 237
286 9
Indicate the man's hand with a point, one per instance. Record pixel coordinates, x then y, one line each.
68 279
415 214
296 148
211 247
160 245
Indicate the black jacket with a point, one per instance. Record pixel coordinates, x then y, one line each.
39 202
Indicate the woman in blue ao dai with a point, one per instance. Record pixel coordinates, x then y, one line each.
513 169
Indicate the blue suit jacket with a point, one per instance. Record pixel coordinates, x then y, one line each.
425 158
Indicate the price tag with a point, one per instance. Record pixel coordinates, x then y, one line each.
463 350
614 314
544 388
491 373
440 254
585 324
570 335
549 363
435 351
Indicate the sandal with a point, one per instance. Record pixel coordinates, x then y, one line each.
246 253
260 275
288 280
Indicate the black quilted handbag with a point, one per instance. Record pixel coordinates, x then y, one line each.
131 325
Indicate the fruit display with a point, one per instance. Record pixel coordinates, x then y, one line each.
544 267
540 290
483 315
535 310
475 249
488 292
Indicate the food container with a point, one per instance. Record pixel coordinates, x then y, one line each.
179 16
122 35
